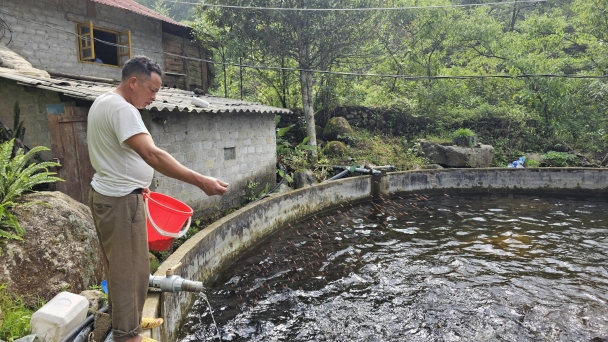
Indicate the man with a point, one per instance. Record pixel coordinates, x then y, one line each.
125 157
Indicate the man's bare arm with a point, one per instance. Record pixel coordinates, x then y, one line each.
164 163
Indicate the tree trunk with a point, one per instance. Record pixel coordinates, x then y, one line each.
514 17
306 84
307 105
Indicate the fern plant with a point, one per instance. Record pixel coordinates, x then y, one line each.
8 220
17 177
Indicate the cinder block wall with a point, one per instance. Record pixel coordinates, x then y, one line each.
32 103
198 141
44 33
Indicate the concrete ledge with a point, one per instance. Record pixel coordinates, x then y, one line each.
213 249
499 179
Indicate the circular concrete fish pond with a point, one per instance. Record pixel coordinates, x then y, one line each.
419 268
452 255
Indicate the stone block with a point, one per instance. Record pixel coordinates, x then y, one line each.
209 164
192 156
179 157
17 28
198 165
453 156
172 149
303 179
186 147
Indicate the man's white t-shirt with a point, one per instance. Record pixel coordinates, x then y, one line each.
119 169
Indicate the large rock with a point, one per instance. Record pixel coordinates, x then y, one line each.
334 149
303 179
454 156
59 250
338 128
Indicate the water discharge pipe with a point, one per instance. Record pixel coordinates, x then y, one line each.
172 283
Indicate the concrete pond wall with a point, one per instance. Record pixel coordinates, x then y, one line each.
214 248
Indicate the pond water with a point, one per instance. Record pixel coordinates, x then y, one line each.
473 267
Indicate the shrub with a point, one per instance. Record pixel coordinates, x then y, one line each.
464 137
16 317
559 159
531 163
464 133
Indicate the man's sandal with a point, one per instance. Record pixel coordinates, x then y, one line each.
151 323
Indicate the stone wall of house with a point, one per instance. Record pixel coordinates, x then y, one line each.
44 33
199 141
32 105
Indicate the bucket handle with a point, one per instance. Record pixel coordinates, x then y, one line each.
160 230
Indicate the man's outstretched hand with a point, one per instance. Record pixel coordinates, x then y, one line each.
213 186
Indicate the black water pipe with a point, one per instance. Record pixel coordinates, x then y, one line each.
83 335
76 331
373 171
276 187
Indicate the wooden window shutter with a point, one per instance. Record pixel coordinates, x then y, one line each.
124 48
86 43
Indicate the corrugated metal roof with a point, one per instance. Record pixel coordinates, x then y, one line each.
167 99
133 6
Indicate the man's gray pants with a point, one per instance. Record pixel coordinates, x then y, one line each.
121 228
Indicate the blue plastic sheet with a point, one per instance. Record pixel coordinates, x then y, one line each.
518 163
104 286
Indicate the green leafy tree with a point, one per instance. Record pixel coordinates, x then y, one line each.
313 40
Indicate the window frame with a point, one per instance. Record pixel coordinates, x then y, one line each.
123 40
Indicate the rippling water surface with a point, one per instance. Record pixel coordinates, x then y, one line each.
421 268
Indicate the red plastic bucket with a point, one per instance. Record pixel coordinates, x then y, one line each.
165 219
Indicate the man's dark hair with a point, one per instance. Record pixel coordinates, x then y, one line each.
140 66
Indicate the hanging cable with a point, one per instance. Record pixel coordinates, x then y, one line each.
3 29
327 72
352 9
